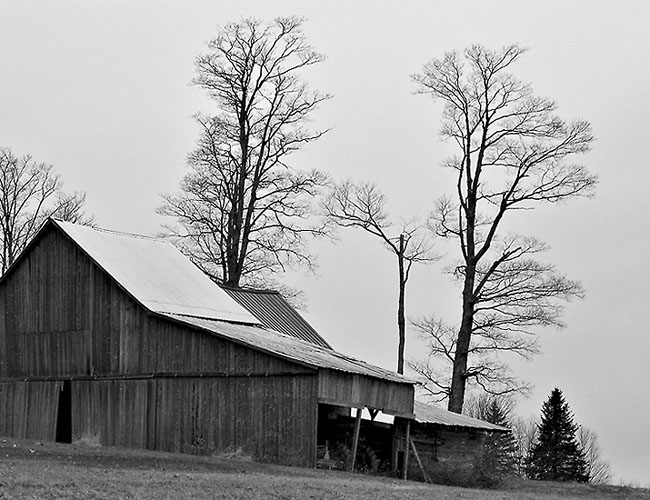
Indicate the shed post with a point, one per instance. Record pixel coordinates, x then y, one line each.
355 439
407 449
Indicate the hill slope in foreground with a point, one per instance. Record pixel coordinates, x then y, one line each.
30 470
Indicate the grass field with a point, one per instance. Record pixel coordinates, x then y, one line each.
30 470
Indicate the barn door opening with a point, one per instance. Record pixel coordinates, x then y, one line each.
64 414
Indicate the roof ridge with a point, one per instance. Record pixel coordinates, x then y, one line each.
112 231
249 290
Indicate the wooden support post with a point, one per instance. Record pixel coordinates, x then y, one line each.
396 440
406 449
355 439
417 458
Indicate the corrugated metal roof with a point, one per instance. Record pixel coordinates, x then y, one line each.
156 274
276 313
430 414
290 348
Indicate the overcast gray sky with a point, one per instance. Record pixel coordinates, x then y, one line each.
101 90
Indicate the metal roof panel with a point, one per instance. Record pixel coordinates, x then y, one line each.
156 274
291 348
430 414
276 313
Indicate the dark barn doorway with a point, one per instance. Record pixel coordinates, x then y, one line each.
64 414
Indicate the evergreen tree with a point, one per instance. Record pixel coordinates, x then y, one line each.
499 448
556 455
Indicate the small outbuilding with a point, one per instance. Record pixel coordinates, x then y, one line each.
121 340
445 446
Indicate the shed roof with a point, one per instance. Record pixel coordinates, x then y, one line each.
290 348
156 274
276 313
430 414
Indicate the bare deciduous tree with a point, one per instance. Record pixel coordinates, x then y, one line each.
525 431
30 192
363 205
242 212
513 153
600 471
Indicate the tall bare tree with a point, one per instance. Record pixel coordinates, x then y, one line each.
363 205
30 192
513 153
242 212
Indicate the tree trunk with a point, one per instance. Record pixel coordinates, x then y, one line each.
459 373
401 320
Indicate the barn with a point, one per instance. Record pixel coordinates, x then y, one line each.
119 339
445 447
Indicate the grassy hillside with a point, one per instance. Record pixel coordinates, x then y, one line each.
30 470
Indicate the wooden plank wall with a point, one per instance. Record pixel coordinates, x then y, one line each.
445 452
263 417
359 391
28 410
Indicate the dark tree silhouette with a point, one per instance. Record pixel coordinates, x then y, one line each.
513 154
242 212
557 456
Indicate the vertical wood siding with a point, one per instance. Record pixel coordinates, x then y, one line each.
358 391
268 418
28 410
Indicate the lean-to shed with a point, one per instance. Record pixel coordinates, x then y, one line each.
448 444
120 339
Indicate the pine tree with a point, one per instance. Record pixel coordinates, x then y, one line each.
499 453
556 455
500 447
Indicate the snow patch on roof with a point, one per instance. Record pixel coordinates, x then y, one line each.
157 274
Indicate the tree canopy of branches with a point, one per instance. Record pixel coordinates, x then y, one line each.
30 192
363 205
513 154
242 212
557 456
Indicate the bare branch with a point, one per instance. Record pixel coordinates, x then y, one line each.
513 154
242 212
30 192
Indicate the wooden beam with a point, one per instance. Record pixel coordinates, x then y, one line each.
355 439
417 458
406 450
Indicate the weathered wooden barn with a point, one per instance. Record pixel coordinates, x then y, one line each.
446 446
121 340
